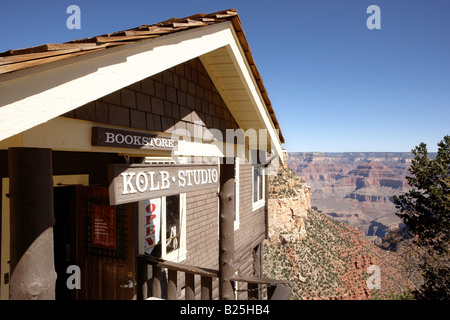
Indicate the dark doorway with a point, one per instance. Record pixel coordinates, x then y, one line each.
107 269
64 234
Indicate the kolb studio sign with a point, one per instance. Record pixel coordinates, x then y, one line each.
130 183
108 137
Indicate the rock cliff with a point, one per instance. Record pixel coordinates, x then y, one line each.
324 258
355 188
289 202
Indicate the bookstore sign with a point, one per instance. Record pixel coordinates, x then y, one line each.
109 137
131 183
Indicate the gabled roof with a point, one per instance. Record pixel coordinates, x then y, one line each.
15 60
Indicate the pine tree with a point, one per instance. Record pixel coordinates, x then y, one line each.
425 210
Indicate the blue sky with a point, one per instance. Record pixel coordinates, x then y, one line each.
335 85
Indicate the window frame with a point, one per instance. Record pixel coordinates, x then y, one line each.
179 254
176 255
260 202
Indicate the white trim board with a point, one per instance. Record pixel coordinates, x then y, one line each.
36 95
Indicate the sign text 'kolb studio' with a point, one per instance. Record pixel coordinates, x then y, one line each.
130 183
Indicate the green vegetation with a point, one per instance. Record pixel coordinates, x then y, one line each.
317 260
331 263
406 295
425 210
286 182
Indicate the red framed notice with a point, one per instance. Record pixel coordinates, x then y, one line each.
104 226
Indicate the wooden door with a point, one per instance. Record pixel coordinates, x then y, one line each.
106 246
64 238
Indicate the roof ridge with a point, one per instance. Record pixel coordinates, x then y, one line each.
28 57
164 27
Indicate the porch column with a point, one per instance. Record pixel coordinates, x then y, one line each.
226 229
33 273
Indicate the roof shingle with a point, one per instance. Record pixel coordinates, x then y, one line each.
14 60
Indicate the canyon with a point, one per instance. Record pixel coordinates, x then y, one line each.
355 188
324 258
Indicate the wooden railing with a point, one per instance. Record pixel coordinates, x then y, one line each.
167 287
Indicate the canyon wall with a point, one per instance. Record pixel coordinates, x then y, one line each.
324 258
289 202
356 188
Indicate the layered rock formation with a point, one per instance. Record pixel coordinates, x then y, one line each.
289 201
332 263
355 188
324 258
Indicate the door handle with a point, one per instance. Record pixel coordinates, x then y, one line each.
128 284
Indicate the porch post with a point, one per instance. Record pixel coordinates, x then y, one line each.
33 273
226 229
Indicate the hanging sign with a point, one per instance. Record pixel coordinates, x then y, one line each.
131 183
109 137
152 223
103 226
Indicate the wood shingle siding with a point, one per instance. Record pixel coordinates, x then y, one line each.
181 97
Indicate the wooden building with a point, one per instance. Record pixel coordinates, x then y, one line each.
118 178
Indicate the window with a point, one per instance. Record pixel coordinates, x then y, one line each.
258 187
162 227
173 223
162 224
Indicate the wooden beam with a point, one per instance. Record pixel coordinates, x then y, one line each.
156 283
32 63
130 33
160 263
172 285
189 293
34 56
206 288
33 275
141 287
226 229
101 40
